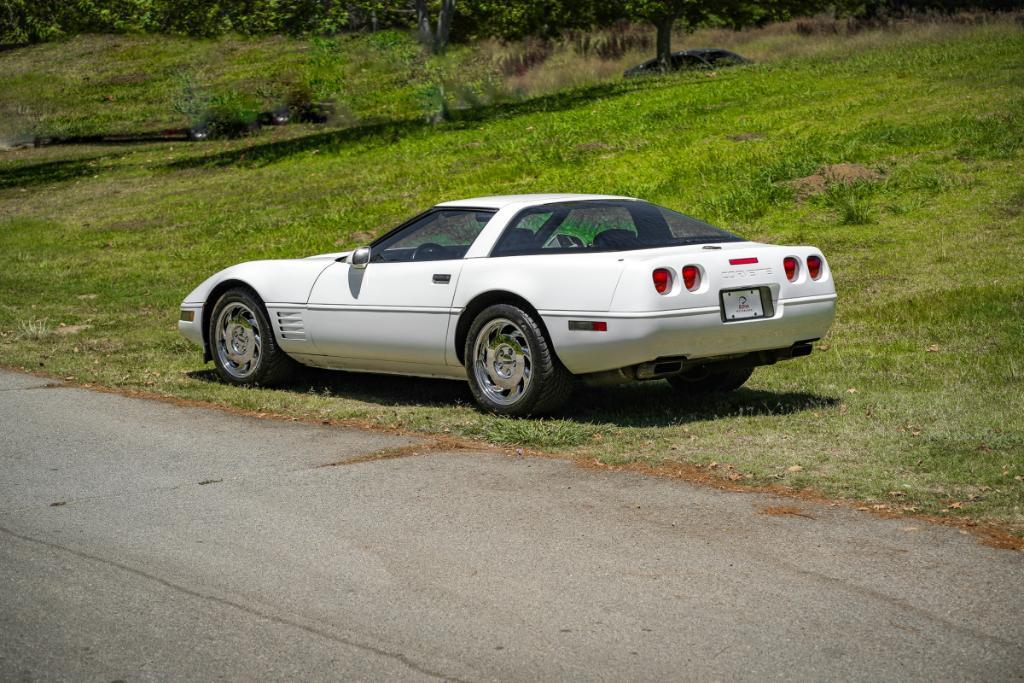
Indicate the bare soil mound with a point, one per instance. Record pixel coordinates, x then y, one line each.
846 174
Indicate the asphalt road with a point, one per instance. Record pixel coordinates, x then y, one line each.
141 540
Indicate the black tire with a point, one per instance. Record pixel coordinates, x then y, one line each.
268 365
548 385
703 381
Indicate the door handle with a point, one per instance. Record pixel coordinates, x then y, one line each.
442 278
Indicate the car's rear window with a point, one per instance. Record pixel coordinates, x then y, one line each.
602 225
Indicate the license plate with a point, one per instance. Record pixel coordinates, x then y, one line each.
742 304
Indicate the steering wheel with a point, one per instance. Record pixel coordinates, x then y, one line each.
428 251
565 241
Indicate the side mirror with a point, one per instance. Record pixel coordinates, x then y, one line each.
360 257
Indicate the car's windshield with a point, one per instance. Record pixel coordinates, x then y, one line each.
603 225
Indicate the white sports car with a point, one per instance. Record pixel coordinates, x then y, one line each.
520 295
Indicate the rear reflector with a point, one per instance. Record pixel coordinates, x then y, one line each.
742 261
662 280
588 325
791 265
814 267
691 277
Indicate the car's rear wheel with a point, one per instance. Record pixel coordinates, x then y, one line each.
707 381
511 366
242 342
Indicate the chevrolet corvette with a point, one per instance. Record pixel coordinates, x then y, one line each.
521 296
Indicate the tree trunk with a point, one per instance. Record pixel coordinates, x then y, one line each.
424 32
664 42
444 25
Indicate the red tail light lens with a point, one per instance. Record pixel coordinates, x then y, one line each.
691 277
662 280
814 267
792 266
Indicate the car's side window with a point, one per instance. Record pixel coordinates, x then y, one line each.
591 227
439 235
684 227
602 225
567 228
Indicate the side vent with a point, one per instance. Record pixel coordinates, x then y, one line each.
290 326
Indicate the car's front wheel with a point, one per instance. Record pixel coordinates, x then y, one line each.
704 381
511 366
242 343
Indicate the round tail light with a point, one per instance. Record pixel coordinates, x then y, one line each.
662 280
814 267
792 267
691 277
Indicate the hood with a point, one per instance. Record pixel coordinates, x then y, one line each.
328 257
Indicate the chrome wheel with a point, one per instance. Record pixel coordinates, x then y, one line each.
502 364
237 340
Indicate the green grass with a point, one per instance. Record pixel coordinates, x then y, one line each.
913 400
92 85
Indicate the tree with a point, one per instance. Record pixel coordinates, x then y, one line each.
423 31
536 18
435 42
735 14
663 14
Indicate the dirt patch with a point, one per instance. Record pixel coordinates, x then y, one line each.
785 510
743 137
834 174
68 330
443 444
134 78
594 147
133 224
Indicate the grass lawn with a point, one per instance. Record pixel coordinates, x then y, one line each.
915 400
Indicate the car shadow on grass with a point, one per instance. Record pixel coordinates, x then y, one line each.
657 404
646 404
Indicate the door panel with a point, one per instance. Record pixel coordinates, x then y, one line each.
394 312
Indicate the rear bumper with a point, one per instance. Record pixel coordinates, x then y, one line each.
632 339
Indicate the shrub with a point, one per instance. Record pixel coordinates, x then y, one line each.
232 114
192 100
226 115
611 43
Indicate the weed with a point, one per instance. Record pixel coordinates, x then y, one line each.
852 202
33 330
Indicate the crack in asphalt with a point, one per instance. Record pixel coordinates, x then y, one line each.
412 450
397 656
903 605
51 385
381 454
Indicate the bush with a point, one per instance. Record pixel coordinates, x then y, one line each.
232 115
225 115
192 101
